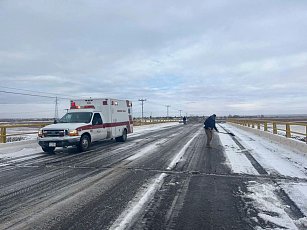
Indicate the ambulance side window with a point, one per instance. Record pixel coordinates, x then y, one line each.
97 119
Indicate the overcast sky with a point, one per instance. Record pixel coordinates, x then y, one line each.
201 57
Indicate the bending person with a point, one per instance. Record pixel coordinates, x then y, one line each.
209 126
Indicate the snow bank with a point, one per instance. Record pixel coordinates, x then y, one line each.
290 143
275 158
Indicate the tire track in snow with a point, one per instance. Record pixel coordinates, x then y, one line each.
126 219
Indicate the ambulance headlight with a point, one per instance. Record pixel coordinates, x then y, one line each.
73 133
40 133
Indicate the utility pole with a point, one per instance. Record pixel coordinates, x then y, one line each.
142 100
167 106
56 112
180 112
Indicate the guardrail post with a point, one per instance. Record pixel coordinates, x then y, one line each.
288 131
253 125
265 126
3 135
274 128
306 135
258 125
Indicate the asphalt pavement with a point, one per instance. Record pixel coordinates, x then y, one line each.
131 185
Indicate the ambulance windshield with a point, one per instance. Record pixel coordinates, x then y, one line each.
80 117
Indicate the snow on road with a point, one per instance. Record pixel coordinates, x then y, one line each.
137 205
178 157
146 150
126 219
277 160
269 206
139 130
274 157
237 160
298 193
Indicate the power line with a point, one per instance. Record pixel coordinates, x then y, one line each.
32 95
172 108
42 111
34 91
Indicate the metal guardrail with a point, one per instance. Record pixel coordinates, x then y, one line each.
139 122
274 126
4 128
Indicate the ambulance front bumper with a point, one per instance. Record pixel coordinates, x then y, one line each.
58 141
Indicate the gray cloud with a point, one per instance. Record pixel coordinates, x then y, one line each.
227 57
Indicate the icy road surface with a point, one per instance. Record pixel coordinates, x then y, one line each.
163 177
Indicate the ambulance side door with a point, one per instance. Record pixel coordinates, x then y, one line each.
99 130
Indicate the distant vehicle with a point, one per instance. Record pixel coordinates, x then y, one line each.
87 121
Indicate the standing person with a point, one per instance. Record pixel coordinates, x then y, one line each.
209 126
184 120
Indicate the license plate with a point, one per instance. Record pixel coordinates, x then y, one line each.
52 144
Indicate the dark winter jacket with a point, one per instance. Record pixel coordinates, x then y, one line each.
210 123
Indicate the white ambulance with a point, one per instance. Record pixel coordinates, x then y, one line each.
87 121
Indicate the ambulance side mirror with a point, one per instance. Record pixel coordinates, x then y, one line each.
55 121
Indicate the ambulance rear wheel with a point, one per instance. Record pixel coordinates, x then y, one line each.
48 149
84 143
122 138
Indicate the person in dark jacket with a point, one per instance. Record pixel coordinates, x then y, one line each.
184 120
209 126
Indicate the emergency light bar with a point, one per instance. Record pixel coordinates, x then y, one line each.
74 106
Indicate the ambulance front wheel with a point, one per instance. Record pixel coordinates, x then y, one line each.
85 143
48 149
122 138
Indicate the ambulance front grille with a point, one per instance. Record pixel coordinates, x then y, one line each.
54 133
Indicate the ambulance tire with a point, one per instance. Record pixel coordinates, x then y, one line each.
85 143
49 150
122 138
